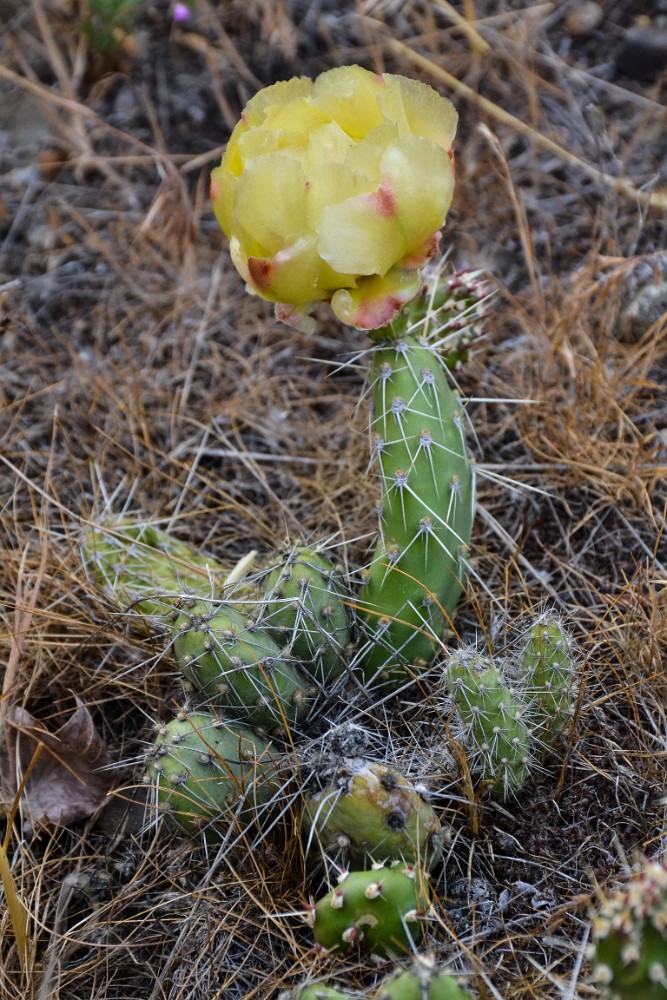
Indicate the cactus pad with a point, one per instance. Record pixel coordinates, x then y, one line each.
629 949
548 677
205 771
237 666
305 612
422 982
375 814
380 910
142 568
491 716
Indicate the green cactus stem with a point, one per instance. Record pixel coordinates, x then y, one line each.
492 719
304 611
142 568
547 671
380 910
427 482
375 814
422 982
207 772
629 937
236 665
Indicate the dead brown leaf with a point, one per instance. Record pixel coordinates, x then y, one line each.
67 771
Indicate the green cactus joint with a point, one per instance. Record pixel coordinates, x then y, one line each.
376 814
548 676
206 772
318 991
381 910
427 505
142 569
494 731
237 666
304 611
629 934
422 982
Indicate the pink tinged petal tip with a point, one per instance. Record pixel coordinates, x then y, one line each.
384 201
424 254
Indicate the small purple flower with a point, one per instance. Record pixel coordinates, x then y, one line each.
180 12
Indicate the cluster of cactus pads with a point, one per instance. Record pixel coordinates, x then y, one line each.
427 501
509 715
629 937
422 981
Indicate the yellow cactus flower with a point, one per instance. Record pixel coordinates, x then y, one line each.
336 190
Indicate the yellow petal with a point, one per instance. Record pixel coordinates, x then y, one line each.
362 235
348 96
420 175
276 95
269 210
419 110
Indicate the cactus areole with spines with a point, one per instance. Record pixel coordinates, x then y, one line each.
380 910
375 814
427 507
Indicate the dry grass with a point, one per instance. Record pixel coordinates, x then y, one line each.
136 375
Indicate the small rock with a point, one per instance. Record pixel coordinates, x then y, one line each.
643 54
584 18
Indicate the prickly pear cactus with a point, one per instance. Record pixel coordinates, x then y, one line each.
205 771
142 568
375 814
422 982
629 935
548 676
380 910
318 991
428 497
492 719
305 612
237 666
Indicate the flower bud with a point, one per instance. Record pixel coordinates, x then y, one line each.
336 190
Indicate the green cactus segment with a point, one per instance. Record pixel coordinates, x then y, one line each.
142 568
495 732
629 949
548 676
237 666
422 982
415 577
376 815
380 910
206 771
317 991
306 613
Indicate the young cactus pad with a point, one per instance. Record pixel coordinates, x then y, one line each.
202 767
376 814
495 734
548 677
629 949
381 910
142 568
304 611
427 507
422 982
237 666
318 991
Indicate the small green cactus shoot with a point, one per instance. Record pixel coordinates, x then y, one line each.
237 666
492 720
629 937
422 982
548 678
375 814
381 910
142 569
318 991
206 771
